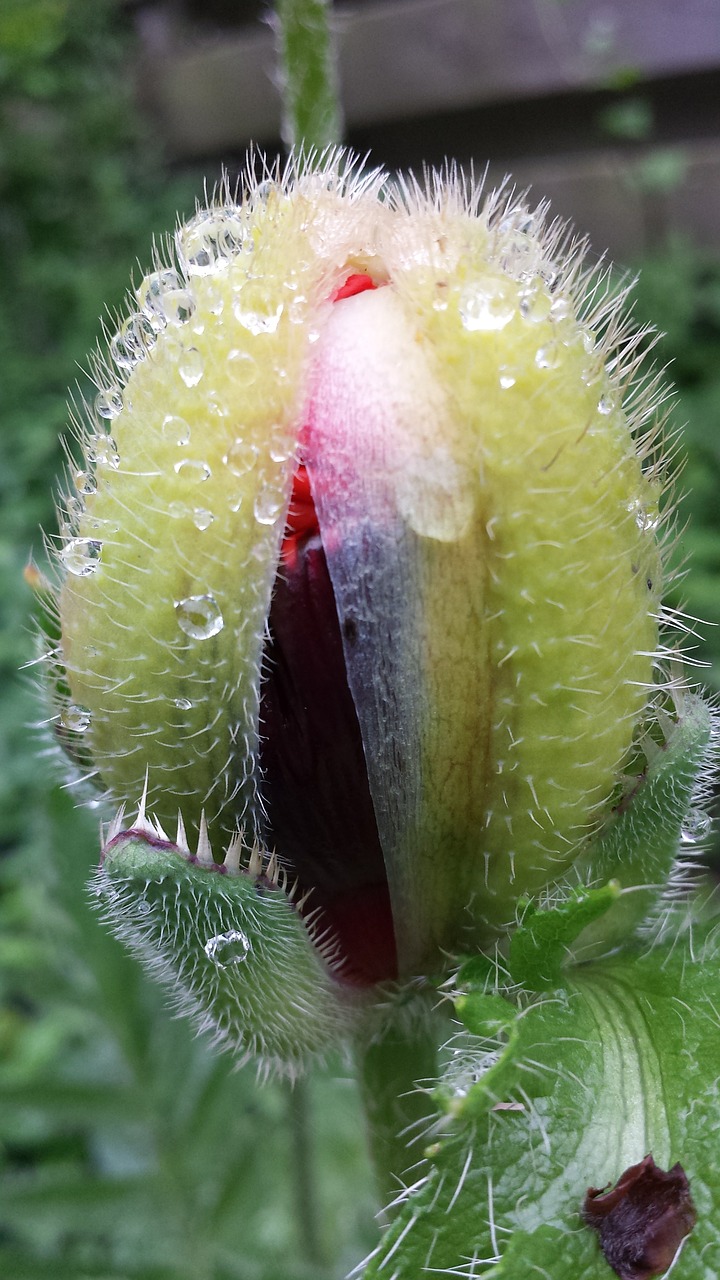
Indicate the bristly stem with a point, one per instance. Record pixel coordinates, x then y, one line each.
312 117
390 1068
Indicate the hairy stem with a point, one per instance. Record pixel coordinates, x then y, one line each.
311 110
304 1176
389 1070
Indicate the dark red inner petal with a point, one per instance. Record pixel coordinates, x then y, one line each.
321 819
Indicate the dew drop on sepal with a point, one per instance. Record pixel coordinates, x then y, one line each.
191 366
241 457
268 505
200 617
228 948
76 718
81 556
175 430
191 471
109 403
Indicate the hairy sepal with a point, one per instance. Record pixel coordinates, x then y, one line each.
493 551
651 846
546 1097
170 543
230 946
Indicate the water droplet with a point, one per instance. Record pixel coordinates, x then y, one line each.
560 309
81 556
242 368
75 718
199 616
178 510
228 948
132 341
606 403
109 402
191 366
646 520
175 430
211 239
548 357
268 505
178 306
435 497
183 704
280 445
202 518
215 405
151 295
105 452
507 377
696 827
241 456
192 471
85 482
486 308
257 322
535 302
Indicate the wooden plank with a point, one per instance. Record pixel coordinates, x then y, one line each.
407 57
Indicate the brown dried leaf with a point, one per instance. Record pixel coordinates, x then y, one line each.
642 1220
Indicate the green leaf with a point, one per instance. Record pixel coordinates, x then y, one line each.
541 944
619 1063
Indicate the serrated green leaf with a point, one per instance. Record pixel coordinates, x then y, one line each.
621 1062
541 944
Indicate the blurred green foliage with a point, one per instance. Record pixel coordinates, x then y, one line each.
678 291
127 1149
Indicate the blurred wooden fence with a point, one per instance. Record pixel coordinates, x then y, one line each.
610 107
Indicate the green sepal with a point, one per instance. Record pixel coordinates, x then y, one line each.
619 1063
639 846
541 944
231 946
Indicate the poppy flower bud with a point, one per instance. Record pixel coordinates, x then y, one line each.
363 555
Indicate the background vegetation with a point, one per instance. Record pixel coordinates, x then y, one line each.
126 1148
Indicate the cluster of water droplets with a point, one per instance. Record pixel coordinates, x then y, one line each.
534 293
211 240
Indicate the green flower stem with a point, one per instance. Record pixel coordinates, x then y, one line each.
311 109
390 1067
305 1175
